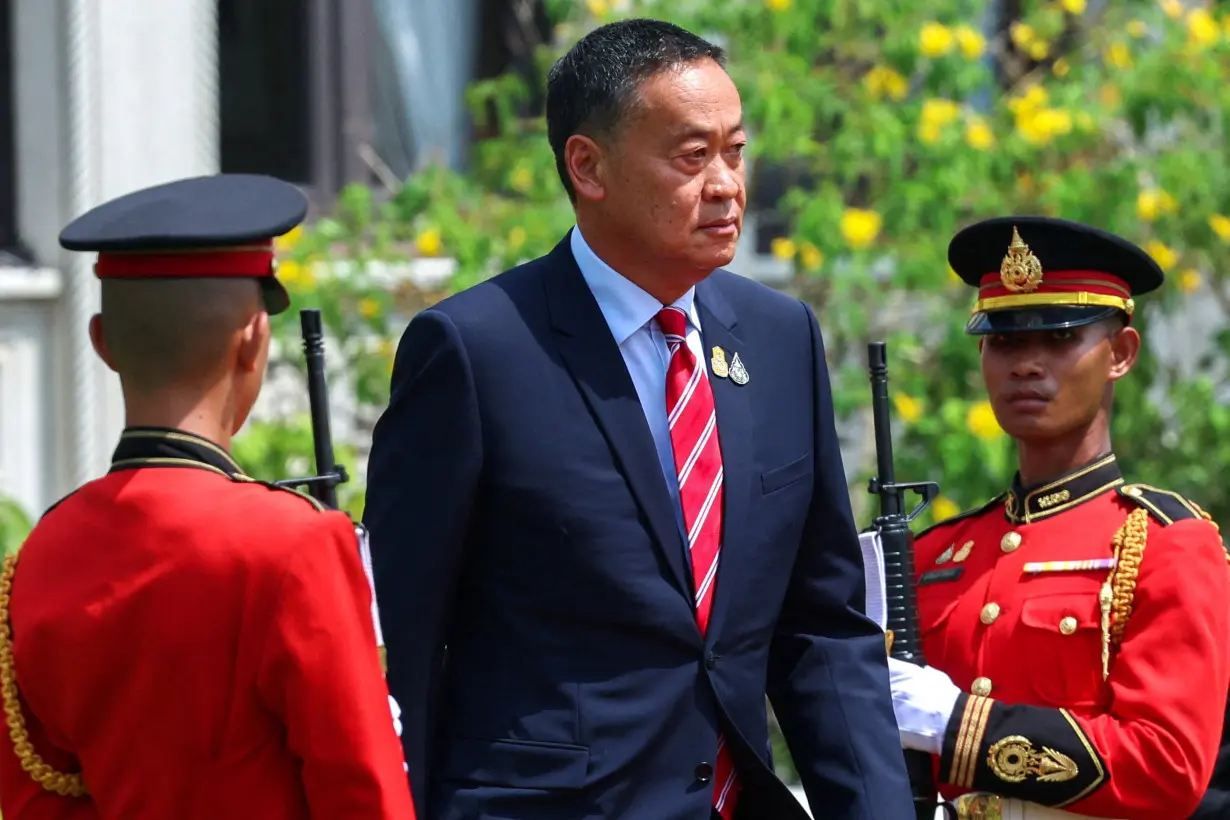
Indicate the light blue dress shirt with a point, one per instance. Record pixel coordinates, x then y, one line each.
629 313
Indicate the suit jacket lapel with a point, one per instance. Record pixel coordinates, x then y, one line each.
593 358
734 422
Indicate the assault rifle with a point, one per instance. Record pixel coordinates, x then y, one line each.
897 541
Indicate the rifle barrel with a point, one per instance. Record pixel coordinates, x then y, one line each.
318 400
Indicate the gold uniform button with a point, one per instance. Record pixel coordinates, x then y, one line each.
1010 542
981 687
1068 625
990 613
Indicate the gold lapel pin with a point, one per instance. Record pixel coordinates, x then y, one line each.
718 363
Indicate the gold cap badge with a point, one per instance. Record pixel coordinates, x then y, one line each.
1021 271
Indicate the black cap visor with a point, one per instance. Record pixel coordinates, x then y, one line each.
275 296
1042 317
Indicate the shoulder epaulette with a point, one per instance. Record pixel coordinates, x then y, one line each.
970 513
1164 505
297 493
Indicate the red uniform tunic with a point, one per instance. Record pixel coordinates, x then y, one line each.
1009 605
198 645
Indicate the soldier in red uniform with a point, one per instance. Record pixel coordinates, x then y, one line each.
179 640
1077 625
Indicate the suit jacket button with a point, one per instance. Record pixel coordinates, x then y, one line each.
704 772
710 660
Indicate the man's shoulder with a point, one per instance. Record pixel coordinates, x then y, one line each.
507 293
1166 507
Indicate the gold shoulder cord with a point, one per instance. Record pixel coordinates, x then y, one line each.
67 785
1120 587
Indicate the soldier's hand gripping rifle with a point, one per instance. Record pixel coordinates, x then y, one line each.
897 542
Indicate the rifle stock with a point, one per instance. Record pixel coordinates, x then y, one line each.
897 541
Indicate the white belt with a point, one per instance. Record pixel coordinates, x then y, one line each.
983 806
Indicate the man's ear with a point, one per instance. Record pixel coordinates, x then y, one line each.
583 159
1124 350
99 340
253 342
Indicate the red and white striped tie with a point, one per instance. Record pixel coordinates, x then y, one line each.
698 467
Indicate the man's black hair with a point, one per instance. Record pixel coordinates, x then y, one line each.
590 89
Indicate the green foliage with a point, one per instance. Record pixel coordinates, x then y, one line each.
273 451
15 525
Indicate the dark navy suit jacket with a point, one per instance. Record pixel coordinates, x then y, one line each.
533 585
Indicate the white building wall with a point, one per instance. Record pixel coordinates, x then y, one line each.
110 96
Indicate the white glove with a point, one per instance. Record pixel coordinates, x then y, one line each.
396 710
923 700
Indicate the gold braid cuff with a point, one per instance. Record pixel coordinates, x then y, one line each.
67 785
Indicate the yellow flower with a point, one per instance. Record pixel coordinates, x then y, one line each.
810 256
295 276
782 247
942 508
971 42
1172 8
1201 27
981 421
1154 202
1034 98
882 81
598 8
777 5
860 227
369 308
1137 28
935 40
1038 49
1189 280
1022 34
288 240
1221 226
1119 55
909 408
1061 67
1073 6
936 113
429 242
521 179
517 237
1163 255
978 134
1039 127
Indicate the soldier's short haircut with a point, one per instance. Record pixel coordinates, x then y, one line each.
174 332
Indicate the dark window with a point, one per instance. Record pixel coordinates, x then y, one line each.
263 73
293 90
8 159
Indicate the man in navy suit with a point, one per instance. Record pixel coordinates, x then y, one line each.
607 507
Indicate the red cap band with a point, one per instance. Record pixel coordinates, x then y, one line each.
250 260
1061 281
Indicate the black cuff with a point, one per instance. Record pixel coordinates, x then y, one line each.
1027 752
